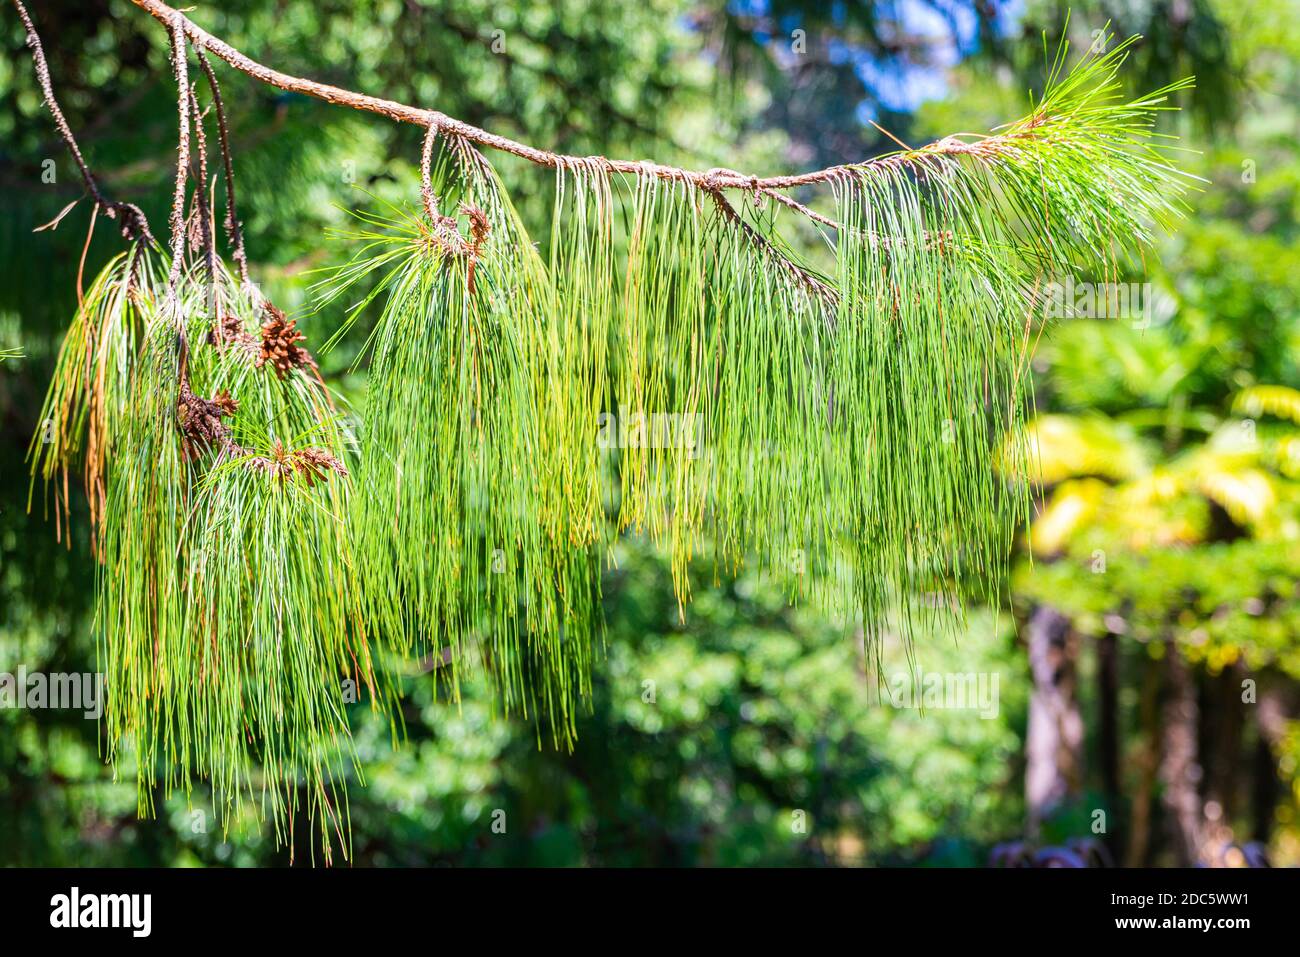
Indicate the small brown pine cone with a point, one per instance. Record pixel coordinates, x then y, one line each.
200 421
280 338
230 330
316 464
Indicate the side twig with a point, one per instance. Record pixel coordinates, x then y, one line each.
234 228
129 216
811 282
177 218
206 239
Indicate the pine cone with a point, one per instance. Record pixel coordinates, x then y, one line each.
312 464
228 330
277 465
200 421
316 464
280 338
478 233
478 227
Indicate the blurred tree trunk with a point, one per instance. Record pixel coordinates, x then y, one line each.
1108 737
1271 718
1223 728
1054 738
1180 769
1139 843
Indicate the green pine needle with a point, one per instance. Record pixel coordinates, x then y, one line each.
668 367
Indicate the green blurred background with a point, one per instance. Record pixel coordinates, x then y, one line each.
1148 655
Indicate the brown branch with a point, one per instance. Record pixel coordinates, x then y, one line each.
131 217
443 229
234 229
426 175
177 219
201 197
711 180
799 274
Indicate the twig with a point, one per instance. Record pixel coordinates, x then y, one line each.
445 232
711 180
131 217
426 174
209 239
801 275
201 190
177 219
234 229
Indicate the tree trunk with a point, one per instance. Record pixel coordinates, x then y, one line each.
1108 738
1139 835
1224 736
1180 769
1054 737
1271 717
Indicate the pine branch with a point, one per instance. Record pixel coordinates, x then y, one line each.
197 487
710 180
176 219
234 229
132 219
864 422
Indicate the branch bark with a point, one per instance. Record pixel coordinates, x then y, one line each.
711 180
177 219
234 229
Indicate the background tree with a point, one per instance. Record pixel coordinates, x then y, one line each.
1170 523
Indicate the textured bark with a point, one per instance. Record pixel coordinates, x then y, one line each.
1180 769
1054 737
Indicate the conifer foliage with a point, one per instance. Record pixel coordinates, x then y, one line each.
669 366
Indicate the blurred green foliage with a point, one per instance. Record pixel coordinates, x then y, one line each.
749 734
1171 445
